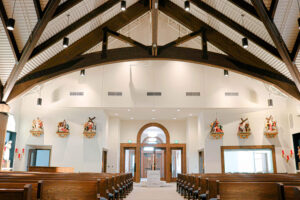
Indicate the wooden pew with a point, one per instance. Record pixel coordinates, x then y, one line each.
288 191
35 185
16 192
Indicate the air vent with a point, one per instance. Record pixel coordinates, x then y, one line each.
76 93
114 93
153 93
192 94
231 94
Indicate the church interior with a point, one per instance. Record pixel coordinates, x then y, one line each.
149 99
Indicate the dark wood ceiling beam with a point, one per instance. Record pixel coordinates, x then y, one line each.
154 20
172 53
204 45
9 34
29 46
72 27
296 47
180 40
236 27
273 8
65 6
278 40
38 9
214 37
246 7
126 39
95 37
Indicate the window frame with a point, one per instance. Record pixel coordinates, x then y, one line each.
271 147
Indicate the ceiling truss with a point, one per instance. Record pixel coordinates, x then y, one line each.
70 59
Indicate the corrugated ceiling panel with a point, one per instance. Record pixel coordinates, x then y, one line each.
285 19
7 59
25 17
236 37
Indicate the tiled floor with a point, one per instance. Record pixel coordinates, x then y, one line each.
154 193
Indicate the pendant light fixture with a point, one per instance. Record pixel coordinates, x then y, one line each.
244 40
123 5
66 39
187 5
11 21
82 72
226 73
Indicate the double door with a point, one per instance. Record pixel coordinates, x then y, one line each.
153 158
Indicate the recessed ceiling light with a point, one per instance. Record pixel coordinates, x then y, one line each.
178 110
174 118
153 110
116 114
190 114
131 118
129 110
153 118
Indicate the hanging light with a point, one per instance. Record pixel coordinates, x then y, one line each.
66 39
11 21
270 102
123 5
82 72
245 42
226 73
39 101
187 6
66 42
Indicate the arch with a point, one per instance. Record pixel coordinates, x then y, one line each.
139 135
262 73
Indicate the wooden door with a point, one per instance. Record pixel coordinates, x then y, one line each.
104 161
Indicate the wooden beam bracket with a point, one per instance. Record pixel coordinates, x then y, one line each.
204 45
38 9
104 42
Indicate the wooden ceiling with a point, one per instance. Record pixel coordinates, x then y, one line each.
72 58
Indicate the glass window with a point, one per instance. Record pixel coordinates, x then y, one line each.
248 161
130 161
40 157
176 162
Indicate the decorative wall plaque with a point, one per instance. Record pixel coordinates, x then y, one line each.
90 128
271 127
216 130
244 129
63 129
37 128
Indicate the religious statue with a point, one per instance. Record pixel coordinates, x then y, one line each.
216 130
6 154
90 128
244 129
270 127
63 129
37 127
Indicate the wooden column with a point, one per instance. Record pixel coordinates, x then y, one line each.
3 124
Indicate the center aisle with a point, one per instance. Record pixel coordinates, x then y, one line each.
153 193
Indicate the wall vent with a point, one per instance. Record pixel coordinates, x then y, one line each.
114 93
76 93
192 94
153 93
231 94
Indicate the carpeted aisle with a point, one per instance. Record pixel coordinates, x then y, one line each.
152 193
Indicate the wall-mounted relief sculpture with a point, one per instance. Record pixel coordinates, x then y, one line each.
244 129
63 129
37 128
271 127
90 128
216 130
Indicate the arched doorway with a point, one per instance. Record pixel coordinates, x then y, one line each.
153 151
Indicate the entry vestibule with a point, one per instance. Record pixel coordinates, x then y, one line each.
153 151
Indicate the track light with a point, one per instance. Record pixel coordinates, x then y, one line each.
245 42
123 5
226 73
39 101
82 72
187 6
11 24
270 102
65 42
